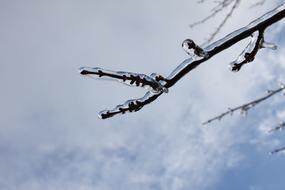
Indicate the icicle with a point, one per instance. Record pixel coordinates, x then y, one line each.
127 78
192 49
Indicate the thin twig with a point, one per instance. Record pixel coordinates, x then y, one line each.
227 17
278 150
259 3
279 127
245 107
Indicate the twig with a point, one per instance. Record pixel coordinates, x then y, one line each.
278 150
280 127
259 3
213 35
245 107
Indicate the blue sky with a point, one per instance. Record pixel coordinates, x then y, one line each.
52 139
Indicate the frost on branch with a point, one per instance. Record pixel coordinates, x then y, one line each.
278 150
129 106
248 55
153 83
150 83
245 107
280 127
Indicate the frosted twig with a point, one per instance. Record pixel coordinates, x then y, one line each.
259 3
129 106
213 35
279 127
278 150
150 83
157 84
248 55
245 107
219 8
249 52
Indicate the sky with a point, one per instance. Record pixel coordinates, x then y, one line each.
52 139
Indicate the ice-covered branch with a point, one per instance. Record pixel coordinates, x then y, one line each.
157 84
245 107
129 106
279 127
259 3
150 83
278 150
216 47
248 55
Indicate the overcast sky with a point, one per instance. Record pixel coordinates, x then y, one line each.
52 139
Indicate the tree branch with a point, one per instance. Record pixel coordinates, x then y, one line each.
278 150
246 107
159 85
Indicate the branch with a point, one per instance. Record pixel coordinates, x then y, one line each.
278 150
150 83
279 127
219 8
248 55
129 106
259 3
158 85
245 107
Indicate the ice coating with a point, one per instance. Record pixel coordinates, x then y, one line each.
127 78
248 53
280 127
243 29
158 85
245 107
277 150
182 66
218 44
132 105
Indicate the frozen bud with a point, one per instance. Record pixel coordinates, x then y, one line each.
192 49
235 67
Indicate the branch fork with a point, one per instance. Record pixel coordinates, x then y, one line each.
157 85
153 84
